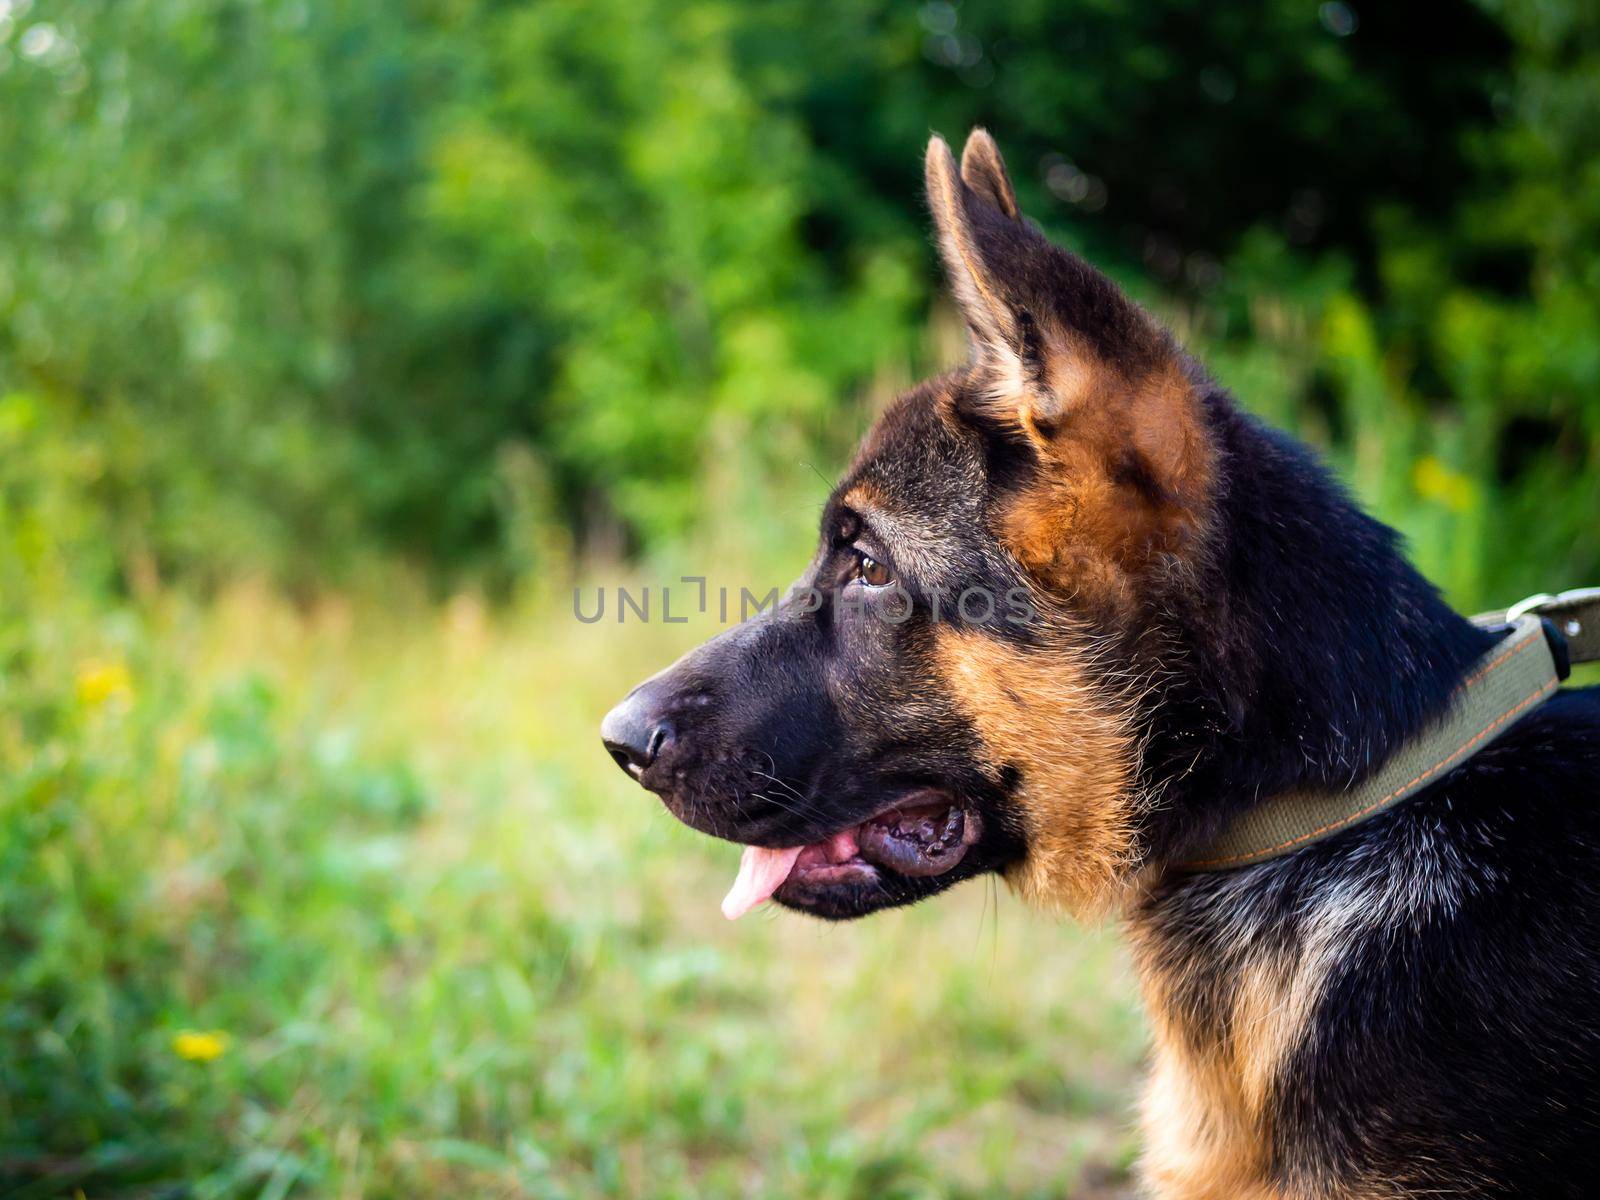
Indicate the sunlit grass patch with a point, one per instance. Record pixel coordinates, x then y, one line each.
344 899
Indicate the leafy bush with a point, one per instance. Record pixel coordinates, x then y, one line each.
314 279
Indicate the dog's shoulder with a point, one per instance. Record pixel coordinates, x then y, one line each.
1533 796
1434 969
1475 962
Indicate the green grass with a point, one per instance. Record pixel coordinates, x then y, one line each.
432 942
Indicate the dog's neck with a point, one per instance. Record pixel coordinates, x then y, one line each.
1312 648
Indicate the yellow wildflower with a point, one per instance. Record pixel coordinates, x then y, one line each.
101 682
199 1045
1438 482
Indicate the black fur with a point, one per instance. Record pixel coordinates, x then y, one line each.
1308 652
1455 1047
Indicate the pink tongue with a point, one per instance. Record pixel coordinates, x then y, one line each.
761 872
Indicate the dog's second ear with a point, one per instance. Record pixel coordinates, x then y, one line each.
974 212
984 171
1093 382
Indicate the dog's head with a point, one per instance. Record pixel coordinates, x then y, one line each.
944 693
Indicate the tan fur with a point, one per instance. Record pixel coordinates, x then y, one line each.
977 291
1202 1143
1198 1143
1037 711
1271 1013
1204 1134
1081 515
1086 527
1207 1102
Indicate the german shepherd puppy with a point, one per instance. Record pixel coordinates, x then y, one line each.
1408 1008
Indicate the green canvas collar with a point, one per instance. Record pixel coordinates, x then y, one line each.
1520 672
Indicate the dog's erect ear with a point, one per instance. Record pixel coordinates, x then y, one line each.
1038 315
984 171
961 219
1085 374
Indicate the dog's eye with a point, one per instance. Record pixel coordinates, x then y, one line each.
873 573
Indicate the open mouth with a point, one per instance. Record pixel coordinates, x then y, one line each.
923 834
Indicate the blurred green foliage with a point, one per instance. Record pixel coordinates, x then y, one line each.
339 900
305 280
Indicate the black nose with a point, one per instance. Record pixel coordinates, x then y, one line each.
633 736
